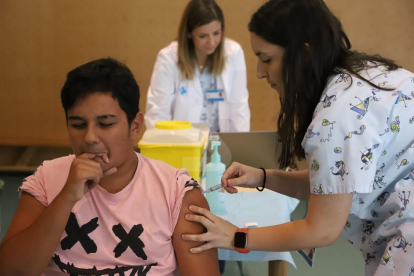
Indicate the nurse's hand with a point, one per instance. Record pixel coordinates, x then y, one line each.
243 176
220 232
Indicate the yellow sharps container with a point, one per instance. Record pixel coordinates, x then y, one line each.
176 143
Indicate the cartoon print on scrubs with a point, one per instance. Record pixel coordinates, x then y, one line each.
370 256
386 130
382 198
402 97
403 162
372 154
405 200
410 176
341 166
381 169
395 125
361 131
366 157
377 242
402 243
327 101
379 181
382 84
315 165
367 228
343 77
385 71
318 191
374 214
310 133
362 107
385 258
325 122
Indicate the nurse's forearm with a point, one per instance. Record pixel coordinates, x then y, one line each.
323 224
293 184
288 237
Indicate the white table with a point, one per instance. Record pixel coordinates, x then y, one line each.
266 208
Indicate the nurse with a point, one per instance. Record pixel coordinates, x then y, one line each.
201 77
351 115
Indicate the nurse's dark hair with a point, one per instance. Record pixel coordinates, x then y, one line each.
196 14
107 76
315 48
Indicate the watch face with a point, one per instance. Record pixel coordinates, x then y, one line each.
240 239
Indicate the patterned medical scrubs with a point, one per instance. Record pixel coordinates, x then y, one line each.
361 141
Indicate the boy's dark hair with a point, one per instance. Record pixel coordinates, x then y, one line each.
316 47
104 75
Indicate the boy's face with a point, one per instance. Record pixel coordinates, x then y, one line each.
99 126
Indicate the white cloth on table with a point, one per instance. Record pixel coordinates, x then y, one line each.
266 208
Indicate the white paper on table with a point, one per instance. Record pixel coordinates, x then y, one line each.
266 208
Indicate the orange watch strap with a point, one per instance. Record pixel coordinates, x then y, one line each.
243 250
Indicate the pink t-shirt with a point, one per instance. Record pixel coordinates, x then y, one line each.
127 233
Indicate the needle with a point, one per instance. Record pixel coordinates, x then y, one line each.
214 188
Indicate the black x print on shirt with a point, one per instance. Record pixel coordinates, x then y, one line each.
131 239
79 234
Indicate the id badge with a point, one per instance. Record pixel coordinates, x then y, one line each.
215 95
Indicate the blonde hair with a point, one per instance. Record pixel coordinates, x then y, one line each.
196 14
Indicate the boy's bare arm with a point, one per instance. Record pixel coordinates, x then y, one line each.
33 236
205 263
35 231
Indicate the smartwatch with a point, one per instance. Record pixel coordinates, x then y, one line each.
240 241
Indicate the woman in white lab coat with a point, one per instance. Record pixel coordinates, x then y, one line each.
201 78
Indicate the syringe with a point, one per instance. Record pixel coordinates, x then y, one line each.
214 188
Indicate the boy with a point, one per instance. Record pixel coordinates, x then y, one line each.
106 210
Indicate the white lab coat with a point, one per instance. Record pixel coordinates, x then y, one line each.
170 97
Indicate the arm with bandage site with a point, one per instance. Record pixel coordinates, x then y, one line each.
205 263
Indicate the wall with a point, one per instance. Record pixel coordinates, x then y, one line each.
42 40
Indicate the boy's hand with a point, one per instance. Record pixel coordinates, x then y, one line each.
84 175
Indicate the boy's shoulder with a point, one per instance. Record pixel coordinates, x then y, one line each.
160 170
58 164
156 165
